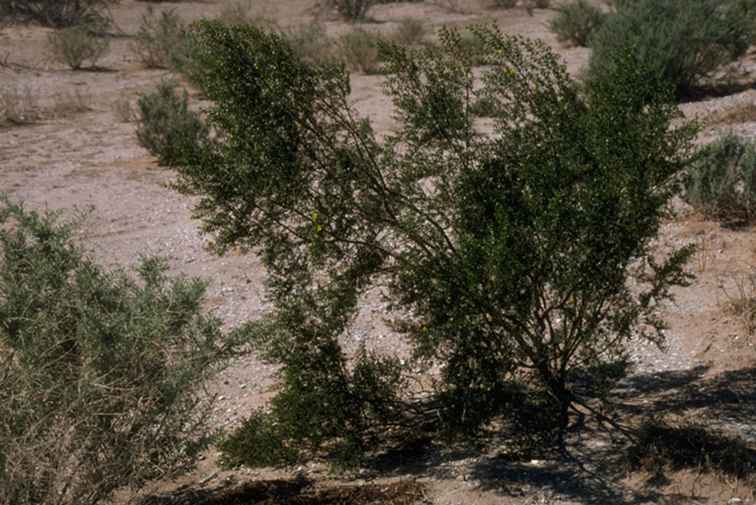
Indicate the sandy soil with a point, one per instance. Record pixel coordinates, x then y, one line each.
90 161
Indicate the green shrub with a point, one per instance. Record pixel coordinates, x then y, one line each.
101 370
721 182
166 126
360 51
680 41
161 40
492 250
575 22
76 45
57 13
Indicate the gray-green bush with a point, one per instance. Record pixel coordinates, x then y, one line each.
680 41
353 10
166 126
161 40
721 182
76 45
101 371
576 21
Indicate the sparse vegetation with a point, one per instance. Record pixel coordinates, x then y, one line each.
681 41
76 45
166 125
57 13
19 106
100 371
507 260
721 183
161 40
576 21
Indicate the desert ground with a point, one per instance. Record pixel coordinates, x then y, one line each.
77 153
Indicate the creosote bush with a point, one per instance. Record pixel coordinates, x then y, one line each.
76 45
509 262
101 370
721 182
681 41
166 126
57 13
575 22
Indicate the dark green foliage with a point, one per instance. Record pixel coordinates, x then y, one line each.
504 259
101 372
661 445
57 13
721 182
167 128
575 22
680 41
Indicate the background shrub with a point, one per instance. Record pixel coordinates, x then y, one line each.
75 45
360 51
409 32
57 13
166 126
506 4
353 10
576 21
721 182
680 41
101 371
161 40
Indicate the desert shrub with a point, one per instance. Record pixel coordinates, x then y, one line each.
575 22
100 368
353 10
246 13
311 42
721 182
409 32
161 40
541 4
530 249
681 41
360 51
166 126
57 13
507 4
75 45
18 106
661 445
